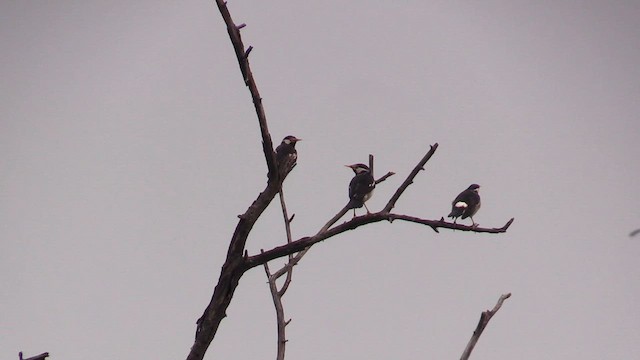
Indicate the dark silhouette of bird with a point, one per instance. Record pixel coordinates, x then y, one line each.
286 155
466 204
361 187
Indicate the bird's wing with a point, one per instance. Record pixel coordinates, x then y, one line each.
361 185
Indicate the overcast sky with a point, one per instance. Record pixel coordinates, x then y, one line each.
129 144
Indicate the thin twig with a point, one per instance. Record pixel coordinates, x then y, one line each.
277 302
287 225
383 178
409 180
484 320
37 357
273 288
296 259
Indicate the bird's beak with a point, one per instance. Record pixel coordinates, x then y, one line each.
349 166
298 139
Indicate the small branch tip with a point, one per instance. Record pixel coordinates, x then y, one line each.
246 53
241 26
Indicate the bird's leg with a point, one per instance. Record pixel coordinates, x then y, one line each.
474 225
365 206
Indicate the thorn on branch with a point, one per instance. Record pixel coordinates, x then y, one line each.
287 322
291 218
246 53
241 26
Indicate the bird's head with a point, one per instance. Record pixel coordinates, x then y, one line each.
474 187
289 140
358 168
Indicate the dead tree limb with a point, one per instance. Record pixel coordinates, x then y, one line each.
484 320
276 295
305 242
207 324
237 261
409 180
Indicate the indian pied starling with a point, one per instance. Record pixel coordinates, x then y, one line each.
286 155
361 187
466 204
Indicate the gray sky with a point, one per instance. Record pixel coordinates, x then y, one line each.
128 145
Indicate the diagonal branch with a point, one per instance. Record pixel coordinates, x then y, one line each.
276 294
409 180
237 261
484 320
232 269
243 61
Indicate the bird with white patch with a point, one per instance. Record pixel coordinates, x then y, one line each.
361 187
466 204
286 155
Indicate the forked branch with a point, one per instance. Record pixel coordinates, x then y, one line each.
237 261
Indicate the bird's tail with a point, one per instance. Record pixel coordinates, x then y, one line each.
354 204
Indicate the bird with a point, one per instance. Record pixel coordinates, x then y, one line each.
286 155
361 187
466 204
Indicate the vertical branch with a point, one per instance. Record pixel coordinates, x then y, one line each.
371 164
287 226
277 302
276 294
484 320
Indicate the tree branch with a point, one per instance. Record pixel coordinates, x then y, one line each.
409 180
484 320
232 269
277 302
302 243
243 61
237 261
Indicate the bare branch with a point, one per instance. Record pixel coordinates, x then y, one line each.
409 180
236 264
277 302
371 164
356 222
243 61
232 269
383 178
484 320
287 225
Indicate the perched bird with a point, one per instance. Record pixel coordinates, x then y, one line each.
361 187
286 155
466 204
